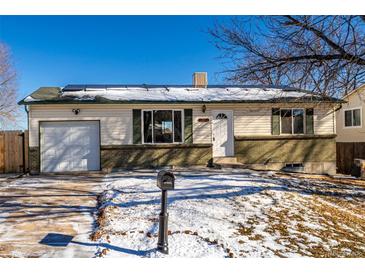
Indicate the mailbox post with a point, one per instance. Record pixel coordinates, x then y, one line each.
165 181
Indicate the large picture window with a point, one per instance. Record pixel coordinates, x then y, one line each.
292 121
353 118
162 126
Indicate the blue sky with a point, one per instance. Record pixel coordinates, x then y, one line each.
58 50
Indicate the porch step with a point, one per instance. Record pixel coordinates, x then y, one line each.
227 162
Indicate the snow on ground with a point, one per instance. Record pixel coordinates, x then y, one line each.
232 214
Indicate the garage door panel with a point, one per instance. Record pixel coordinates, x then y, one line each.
70 146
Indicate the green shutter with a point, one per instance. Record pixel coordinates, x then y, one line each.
188 126
309 121
275 121
137 134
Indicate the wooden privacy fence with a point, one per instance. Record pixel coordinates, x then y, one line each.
346 153
13 151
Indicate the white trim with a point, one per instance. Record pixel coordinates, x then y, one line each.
344 118
70 123
230 133
173 128
292 122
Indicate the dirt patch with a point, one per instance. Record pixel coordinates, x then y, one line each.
324 178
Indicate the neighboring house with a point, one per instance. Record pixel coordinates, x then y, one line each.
350 118
106 127
351 130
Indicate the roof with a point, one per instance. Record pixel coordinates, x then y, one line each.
103 94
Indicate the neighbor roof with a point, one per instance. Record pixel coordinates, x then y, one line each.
360 88
172 94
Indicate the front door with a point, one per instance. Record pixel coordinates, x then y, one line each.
222 133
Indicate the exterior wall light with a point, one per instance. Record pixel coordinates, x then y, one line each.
204 108
76 111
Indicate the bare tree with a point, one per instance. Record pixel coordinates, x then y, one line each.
8 103
323 54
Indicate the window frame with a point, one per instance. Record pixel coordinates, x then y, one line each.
344 117
173 126
292 121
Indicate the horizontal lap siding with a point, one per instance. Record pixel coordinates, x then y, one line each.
202 131
252 121
324 120
350 134
247 121
115 124
116 120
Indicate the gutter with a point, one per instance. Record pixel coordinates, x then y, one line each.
26 108
103 101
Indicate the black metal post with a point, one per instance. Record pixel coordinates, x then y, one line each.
162 244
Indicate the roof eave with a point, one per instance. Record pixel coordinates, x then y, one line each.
352 92
43 102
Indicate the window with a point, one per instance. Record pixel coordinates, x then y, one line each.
221 116
177 126
353 117
162 126
298 121
292 121
286 121
147 126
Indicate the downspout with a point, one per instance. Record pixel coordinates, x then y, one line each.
335 118
27 111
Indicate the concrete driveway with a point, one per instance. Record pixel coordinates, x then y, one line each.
48 216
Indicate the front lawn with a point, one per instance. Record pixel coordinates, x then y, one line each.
237 213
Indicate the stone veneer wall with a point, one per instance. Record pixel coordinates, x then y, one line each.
317 153
147 156
34 167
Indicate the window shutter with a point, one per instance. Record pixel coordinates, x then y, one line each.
137 134
275 121
309 121
188 126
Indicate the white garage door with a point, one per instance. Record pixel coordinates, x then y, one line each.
70 146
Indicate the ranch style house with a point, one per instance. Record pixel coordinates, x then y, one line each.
110 127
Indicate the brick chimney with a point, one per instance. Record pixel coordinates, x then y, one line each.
200 80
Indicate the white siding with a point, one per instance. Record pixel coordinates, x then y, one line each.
255 120
248 120
115 123
324 121
202 131
351 134
116 120
252 121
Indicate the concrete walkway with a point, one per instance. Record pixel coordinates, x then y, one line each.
48 216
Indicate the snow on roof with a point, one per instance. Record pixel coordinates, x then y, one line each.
30 99
183 94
